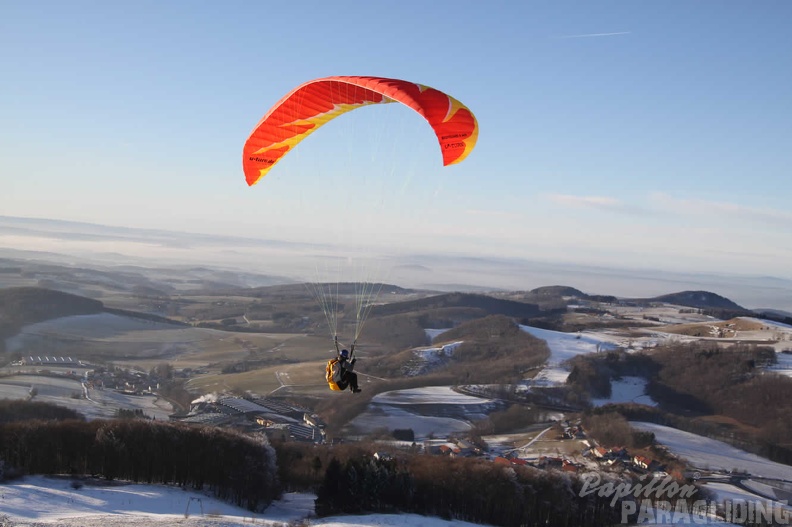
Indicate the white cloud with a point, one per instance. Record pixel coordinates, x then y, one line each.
595 35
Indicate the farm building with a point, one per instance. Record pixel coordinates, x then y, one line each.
35 360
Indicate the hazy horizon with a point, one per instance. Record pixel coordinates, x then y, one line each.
35 238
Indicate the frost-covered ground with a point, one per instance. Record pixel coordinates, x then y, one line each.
428 395
92 403
782 332
784 365
38 501
660 314
109 327
428 358
627 390
774 334
770 331
424 410
564 346
709 454
400 410
432 334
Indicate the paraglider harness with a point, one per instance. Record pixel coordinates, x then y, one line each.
333 369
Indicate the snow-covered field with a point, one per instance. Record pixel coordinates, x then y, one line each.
770 331
398 410
39 501
429 411
564 346
393 418
98 404
774 334
106 326
660 314
784 365
627 390
709 454
112 335
428 358
428 395
432 334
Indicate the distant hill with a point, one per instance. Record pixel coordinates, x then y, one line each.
400 324
92 279
380 292
301 289
493 349
558 291
553 300
487 305
701 300
20 306
28 305
775 314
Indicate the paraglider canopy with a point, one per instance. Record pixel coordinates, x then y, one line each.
311 105
314 103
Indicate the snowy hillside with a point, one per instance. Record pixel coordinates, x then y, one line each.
709 454
564 346
627 390
432 410
38 501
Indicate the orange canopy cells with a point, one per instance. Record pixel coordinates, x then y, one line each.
314 103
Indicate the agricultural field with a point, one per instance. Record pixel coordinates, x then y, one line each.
429 411
142 344
73 394
302 377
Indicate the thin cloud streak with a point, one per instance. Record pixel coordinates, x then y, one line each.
732 210
595 202
595 35
493 213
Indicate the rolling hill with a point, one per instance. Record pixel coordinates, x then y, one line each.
20 306
699 299
477 304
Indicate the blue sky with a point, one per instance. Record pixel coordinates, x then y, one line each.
652 134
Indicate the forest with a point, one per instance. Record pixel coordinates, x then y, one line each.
348 479
238 468
721 392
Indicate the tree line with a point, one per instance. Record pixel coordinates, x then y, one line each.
15 410
348 479
237 468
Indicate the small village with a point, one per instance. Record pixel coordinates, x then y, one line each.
282 422
616 459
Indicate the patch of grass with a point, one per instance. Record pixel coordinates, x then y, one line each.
301 377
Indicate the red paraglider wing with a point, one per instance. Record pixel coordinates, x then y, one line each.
316 102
